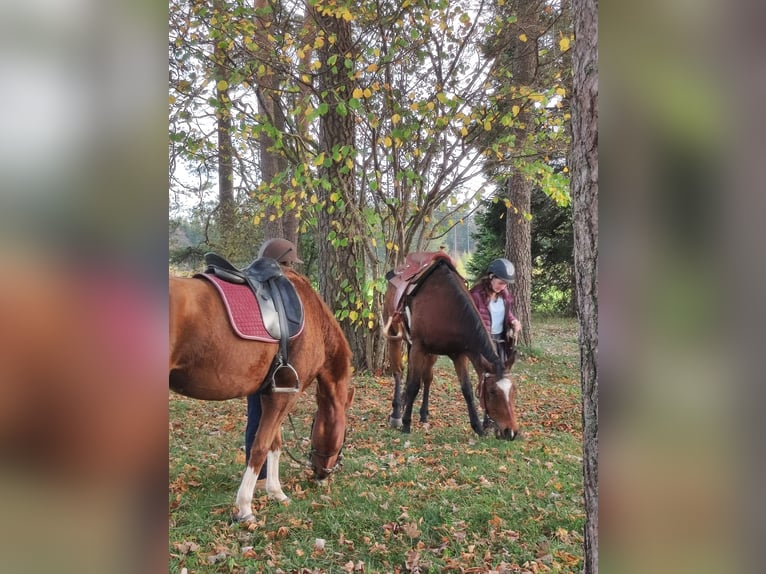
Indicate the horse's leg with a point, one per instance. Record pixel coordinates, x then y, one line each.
461 368
428 377
395 360
273 486
414 376
275 405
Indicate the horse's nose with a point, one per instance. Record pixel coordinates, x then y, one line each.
507 434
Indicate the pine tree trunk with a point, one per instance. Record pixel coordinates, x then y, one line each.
518 248
272 163
584 164
518 236
226 207
338 264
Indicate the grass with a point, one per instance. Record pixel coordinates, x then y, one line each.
440 499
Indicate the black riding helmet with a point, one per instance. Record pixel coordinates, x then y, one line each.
503 269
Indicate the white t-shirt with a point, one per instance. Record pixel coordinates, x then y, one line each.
497 316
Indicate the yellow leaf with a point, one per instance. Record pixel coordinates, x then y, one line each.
564 44
374 243
171 100
353 315
358 93
370 325
387 141
314 198
372 67
349 163
464 131
319 160
395 118
487 125
414 106
515 110
523 37
561 92
347 16
318 42
389 245
367 92
222 85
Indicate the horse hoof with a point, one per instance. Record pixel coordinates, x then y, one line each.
280 497
395 423
246 518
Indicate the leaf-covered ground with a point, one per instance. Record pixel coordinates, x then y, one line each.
440 499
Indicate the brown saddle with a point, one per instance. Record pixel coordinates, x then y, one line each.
417 266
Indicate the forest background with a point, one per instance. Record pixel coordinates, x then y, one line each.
364 131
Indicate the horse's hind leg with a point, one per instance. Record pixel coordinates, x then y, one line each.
428 377
414 376
395 361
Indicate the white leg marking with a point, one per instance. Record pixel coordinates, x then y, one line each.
245 493
273 488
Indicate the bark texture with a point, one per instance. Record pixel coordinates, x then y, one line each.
584 164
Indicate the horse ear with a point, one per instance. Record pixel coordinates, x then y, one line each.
350 395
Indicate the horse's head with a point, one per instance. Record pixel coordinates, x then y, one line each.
328 435
497 396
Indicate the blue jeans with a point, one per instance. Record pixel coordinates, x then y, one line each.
253 420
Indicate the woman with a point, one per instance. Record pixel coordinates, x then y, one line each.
286 254
494 302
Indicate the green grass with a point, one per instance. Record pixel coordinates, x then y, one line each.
440 499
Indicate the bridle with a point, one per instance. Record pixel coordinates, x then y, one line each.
312 451
339 453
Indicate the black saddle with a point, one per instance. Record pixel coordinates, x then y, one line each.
280 305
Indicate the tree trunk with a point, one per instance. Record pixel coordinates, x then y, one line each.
518 236
584 165
226 207
518 248
278 222
341 267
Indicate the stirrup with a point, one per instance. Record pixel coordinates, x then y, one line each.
284 389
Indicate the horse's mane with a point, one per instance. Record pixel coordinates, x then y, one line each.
473 325
333 335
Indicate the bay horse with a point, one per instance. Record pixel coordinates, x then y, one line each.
209 361
431 311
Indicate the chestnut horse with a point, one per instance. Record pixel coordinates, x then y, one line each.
209 361
440 318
